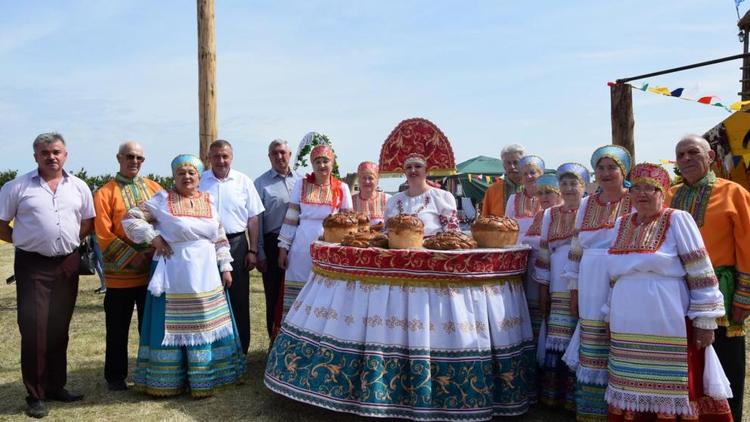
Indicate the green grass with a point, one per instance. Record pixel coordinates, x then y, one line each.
249 401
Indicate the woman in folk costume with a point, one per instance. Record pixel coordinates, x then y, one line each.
435 207
558 228
188 339
370 201
524 205
548 191
662 309
587 277
313 198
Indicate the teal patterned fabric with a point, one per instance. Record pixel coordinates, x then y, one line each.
170 370
393 381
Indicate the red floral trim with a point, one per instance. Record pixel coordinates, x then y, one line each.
603 215
387 264
562 224
641 238
701 282
694 256
535 229
526 206
182 206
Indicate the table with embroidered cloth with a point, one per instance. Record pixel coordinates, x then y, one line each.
417 334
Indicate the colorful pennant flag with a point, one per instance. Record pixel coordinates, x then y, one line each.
677 93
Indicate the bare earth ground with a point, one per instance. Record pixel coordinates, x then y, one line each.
250 401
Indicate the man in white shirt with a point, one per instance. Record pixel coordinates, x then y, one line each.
53 211
238 204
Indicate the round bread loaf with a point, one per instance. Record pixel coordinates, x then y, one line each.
365 240
450 240
495 232
405 232
338 225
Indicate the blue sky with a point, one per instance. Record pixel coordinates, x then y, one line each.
487 73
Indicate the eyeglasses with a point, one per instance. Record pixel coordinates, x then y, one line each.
132 157
643 189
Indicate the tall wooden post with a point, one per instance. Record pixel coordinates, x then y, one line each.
206 77
744 25
623 123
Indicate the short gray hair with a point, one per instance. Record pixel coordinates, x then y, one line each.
220 143
277 142
513 149
48 138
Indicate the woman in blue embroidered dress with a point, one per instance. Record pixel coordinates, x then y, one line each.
188 339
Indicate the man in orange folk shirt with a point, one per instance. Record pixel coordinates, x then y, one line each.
126 265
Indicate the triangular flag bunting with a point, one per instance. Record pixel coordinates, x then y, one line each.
660 90
746 158
677 92
705 100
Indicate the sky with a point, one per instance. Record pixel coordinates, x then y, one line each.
488 73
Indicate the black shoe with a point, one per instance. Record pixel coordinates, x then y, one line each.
35 408
64 396
117 386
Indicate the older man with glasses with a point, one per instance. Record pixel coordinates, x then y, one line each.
126 264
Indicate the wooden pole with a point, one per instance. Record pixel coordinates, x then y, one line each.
623 122
206 77
744 25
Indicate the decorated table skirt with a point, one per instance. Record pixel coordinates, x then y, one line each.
424 335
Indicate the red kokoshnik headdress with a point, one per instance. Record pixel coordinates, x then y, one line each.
650 174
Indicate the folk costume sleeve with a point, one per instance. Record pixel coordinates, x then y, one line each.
137 222
346 198
706 301
570 272
116 251
446 206
291 219
741 231
542 264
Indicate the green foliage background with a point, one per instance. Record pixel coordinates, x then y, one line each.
94 182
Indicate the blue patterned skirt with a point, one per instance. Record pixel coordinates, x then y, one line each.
170 370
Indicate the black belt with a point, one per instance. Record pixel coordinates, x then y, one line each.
52 258
233 235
